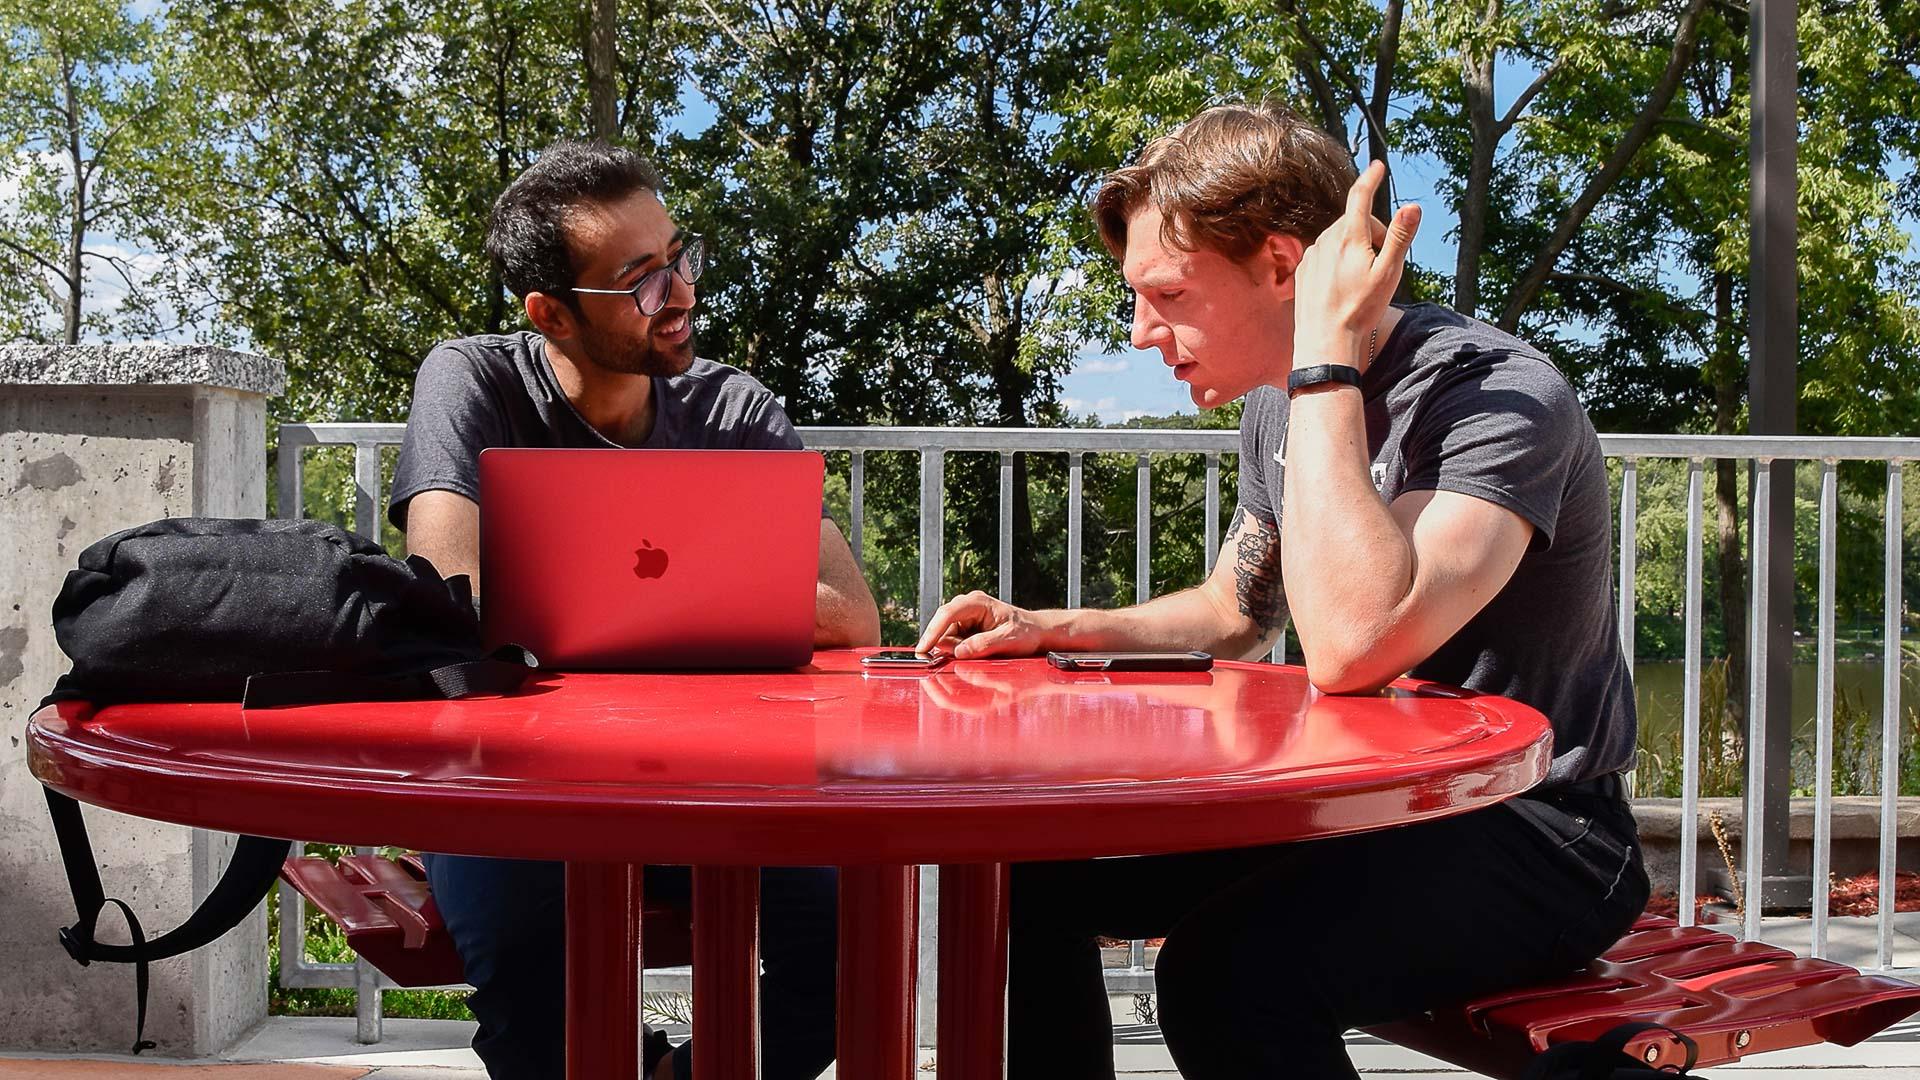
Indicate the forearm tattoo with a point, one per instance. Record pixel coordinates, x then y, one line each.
1256 571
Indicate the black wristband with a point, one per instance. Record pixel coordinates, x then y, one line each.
1301 378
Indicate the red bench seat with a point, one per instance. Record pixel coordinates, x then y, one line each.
390 919
1732 998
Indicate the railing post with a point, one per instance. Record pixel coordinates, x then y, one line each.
1142 530
857 495
1823 717
1006 526
1892 655
1690 708
933 520
1075 480
1629 552
1753 822
366 490
289 467
1213 510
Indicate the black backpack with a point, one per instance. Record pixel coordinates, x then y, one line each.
262 612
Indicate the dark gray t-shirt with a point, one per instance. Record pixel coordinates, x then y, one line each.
1453 404
498 390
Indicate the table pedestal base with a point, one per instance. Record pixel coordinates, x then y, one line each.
973 972
726 971
603 970
879 933
878 939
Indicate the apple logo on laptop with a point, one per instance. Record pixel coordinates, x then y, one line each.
649 561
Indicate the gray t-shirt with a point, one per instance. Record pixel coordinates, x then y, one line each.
1453 404
498 390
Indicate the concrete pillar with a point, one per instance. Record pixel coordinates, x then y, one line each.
94 439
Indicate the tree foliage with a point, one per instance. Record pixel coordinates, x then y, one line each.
894 192
82 123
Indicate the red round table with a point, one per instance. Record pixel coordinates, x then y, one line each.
971 767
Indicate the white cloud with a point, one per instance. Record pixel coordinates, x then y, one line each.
1105 406
1101 365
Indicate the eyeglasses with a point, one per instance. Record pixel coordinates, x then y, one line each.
650 292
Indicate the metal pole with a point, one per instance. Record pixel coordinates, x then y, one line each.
1690 709
1629 552
1823 718
1143 530
933 536
1892 656
1772 391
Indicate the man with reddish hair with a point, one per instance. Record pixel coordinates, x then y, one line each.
1446 515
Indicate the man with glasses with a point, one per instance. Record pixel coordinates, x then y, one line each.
606 279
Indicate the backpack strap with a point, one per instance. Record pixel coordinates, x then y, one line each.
1606 1057
501 672
255 866
256 859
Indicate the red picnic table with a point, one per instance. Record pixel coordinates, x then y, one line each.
970 767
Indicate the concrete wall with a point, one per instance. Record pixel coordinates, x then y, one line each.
94 439
1855 848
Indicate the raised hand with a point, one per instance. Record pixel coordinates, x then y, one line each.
1342 285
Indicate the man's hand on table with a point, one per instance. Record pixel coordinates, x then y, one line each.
976 625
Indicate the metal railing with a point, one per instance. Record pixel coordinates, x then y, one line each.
935 445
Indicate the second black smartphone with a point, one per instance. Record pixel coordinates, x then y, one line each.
1131 661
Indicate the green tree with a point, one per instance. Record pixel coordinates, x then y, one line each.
360 147
80 111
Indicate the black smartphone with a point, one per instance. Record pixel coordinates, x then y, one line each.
902 660
1131 661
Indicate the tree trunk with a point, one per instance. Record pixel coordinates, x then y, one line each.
602 62
1723 370
77 225
1477 85
1386 55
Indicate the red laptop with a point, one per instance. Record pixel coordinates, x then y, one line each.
651 558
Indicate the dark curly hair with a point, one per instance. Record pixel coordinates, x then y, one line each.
527 233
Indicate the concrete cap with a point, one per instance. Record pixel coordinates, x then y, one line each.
155 364
1855 817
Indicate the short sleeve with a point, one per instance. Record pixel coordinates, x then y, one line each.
1253 496
453 418
768 428
1502 427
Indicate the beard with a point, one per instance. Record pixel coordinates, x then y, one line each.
646 356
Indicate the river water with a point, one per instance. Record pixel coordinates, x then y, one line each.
1660 685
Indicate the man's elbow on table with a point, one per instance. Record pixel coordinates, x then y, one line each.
1343 667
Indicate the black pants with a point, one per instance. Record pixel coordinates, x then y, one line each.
1273 953
507 917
